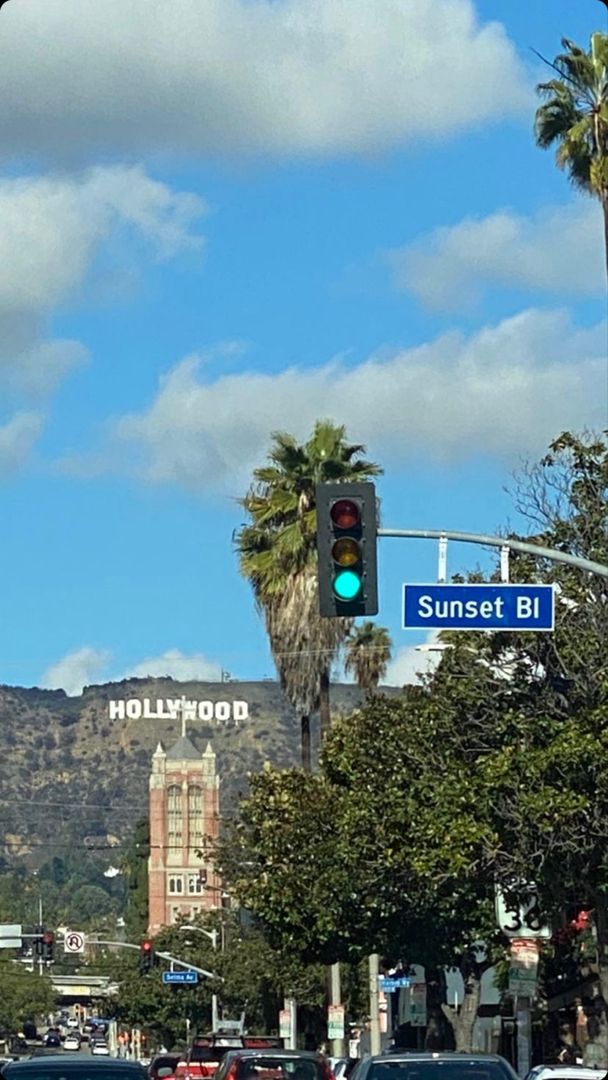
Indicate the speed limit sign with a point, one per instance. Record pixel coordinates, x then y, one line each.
74 941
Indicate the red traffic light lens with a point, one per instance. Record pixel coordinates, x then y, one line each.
147 946
345 514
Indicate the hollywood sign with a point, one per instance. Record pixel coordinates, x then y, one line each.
220 712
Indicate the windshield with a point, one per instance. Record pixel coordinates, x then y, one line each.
278 1068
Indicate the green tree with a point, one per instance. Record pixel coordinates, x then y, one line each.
277 554
25 996
575 116
368 652
135 870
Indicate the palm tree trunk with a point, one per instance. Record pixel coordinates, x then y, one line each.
324 711
305 743
605 209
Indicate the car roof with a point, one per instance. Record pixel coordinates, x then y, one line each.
71 1061
582 1072
435 1055
273 1051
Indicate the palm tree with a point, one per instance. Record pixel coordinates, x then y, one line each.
575 116
277 554
368 651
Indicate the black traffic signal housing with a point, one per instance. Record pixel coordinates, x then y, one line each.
347 529
146 956
48 946
38 944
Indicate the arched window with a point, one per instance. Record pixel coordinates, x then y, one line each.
195 818
174 817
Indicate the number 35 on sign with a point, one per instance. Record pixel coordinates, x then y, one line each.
518 914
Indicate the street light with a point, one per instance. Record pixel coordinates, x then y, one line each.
212 935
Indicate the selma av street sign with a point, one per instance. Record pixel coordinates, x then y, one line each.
478 607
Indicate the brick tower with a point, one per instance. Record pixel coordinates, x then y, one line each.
184 814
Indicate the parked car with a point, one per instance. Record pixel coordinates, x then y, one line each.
163 1065
72 1041
419 1065
272 1064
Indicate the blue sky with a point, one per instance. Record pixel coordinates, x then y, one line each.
224 217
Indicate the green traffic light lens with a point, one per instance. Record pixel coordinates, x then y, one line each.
347 585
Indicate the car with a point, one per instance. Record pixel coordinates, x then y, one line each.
431 1065
163 1065
73 1067
343 1067
52 1038
273 1064
562 1072
100 1048
72 1041
72 1022
207 1051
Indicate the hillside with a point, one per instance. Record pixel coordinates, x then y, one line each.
76 777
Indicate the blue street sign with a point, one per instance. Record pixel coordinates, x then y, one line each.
189 977
388 983
478 607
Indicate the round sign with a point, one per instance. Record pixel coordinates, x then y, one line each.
74 941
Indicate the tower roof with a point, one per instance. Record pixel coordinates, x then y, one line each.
183 750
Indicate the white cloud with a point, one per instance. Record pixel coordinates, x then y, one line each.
76 670
229 76
502 391
184 668
558 250
53 230
410 663
85 666
17 437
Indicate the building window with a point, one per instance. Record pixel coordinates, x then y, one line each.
174 817
176 885
195 818
195 884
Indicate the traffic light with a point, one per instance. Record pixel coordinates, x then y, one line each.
48 945
38 943
346 546
146 957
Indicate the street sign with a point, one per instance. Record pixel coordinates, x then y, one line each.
478 607
388 983
335 1022
189 978
523 967
10 936
73 941
285 1024
519 918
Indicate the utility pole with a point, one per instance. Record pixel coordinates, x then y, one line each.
335 997
374 1004
40 926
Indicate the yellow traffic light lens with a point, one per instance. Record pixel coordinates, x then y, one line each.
346 552
347 585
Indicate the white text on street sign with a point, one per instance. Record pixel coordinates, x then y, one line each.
478 607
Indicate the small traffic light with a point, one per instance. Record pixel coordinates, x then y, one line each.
346 546
48 945
38 943
146 957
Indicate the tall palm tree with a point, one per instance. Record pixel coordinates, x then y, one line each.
368 651
575 116
277 554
